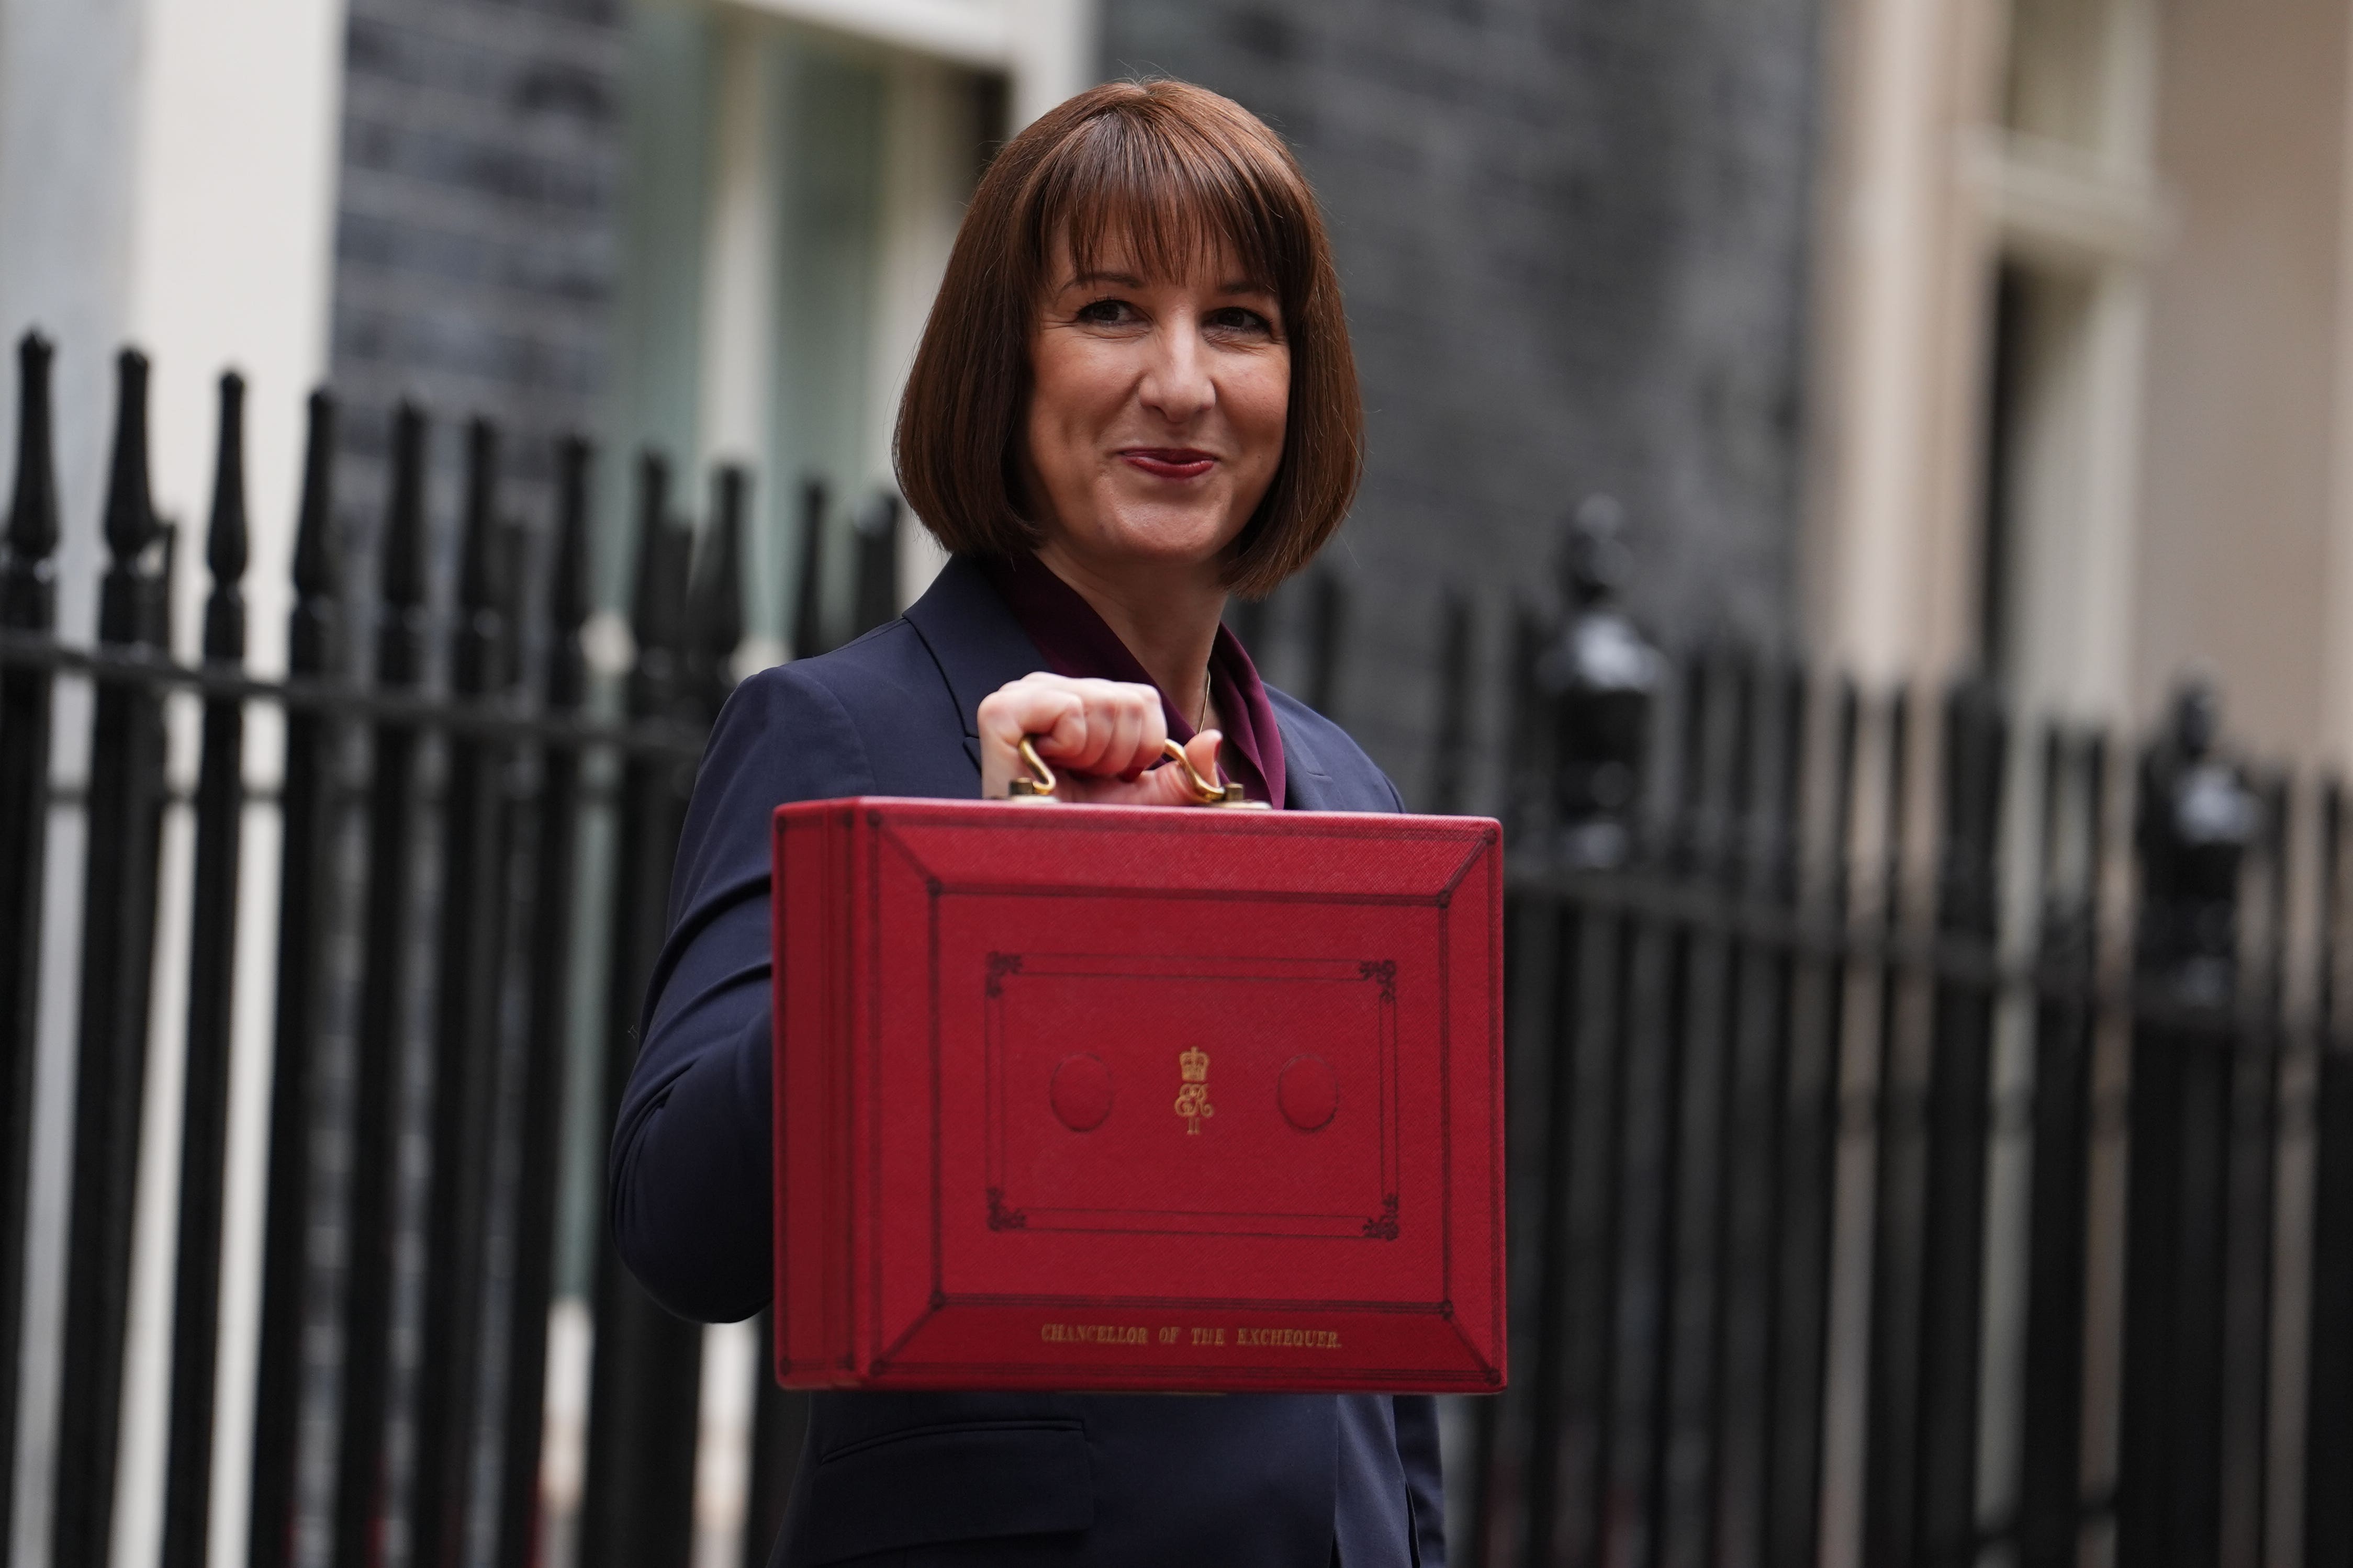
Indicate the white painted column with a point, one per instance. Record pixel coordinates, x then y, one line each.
1897 311
925 171
167 178
1052 53
741 262
2337 617
70 78
740 253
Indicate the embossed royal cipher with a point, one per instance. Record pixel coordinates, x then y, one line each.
1118 1097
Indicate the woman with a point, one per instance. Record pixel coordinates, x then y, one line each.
1134 395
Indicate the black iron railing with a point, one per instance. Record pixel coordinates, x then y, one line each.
432 803
1928 1140
1930 1133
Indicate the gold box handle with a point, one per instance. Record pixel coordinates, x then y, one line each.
1039 785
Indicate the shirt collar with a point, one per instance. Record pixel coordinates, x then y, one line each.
1075 641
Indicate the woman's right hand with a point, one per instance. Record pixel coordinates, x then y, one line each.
1103 738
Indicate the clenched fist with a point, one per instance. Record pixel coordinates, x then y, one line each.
1102 737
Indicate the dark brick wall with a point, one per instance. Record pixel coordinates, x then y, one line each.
1572 234
478 230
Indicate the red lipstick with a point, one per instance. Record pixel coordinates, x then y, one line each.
1169 462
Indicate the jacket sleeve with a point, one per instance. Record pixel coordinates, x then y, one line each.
689 1169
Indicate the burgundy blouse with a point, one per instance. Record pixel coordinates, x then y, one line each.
1075 641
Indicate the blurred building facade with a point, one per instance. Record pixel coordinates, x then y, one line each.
1574 242
2080 401
1999 334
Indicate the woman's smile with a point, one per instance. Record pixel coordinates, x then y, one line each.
1168 462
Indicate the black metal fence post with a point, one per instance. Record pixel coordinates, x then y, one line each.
1767 1099
466 1037
385 996
1976 745
2050 1421
1450 752
212 957
2328 1389
126 818
1898 1220
637 1507
314 636
878 563
1808 1167
807 634
28 605
1327 630
715 593
2195 821
554 843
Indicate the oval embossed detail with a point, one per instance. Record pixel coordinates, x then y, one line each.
1081 1092
1308 1093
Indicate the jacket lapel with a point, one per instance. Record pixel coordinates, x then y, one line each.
973 640
978 647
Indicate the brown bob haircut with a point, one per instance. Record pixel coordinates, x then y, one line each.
1170 173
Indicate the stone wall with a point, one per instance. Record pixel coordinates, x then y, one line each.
1573 238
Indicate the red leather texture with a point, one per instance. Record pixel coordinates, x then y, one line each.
1111 1097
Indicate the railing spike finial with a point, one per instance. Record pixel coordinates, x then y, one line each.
481 649
648 620
403 535
807 630
33 510
131 607
479 585
130 525
878 561
715 595
224 536
314 554
570 590
570 593
314 627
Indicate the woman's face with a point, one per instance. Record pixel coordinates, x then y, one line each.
1155 423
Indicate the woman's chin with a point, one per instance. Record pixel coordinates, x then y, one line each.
1161 535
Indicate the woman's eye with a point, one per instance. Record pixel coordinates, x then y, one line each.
1107 313
1236 319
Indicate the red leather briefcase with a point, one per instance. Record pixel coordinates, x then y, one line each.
1120 1098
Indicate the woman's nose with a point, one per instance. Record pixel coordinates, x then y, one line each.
1177 384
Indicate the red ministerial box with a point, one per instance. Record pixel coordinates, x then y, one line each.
1116 1097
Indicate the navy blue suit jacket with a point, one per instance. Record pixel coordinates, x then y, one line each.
1079 1481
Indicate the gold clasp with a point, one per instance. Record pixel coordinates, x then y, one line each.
1039 785
1209 791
